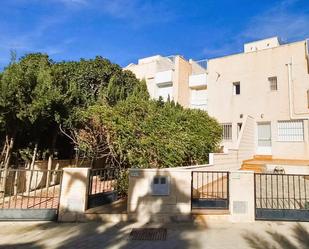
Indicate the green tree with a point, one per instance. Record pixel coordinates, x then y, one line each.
17 85
147 134
38 96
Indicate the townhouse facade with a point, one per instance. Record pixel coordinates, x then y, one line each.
175 78
268 81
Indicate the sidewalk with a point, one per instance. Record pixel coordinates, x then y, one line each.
92 235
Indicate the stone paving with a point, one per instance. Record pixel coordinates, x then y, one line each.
92 235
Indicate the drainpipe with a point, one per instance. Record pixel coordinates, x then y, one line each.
293 114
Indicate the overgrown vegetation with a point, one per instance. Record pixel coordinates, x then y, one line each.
142 133
95 108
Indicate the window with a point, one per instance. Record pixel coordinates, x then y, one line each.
239 125
273 83
226 131
291 131
236 88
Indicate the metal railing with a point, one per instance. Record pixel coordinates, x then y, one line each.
171 58
102 186
30 189
202 63
281 191
210 189
102 180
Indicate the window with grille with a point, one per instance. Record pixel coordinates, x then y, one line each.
227 131
273 83
291 131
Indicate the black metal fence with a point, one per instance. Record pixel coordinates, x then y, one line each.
102 186
210 190
281 196
29 189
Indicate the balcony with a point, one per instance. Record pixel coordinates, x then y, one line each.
164 77
202 63
198 81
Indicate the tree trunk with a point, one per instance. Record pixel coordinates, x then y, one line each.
49 167
7 162
34 156
50 158
15 183
32 166
8 153
2 156
55 175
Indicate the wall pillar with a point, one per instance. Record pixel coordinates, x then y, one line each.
74 193
242 196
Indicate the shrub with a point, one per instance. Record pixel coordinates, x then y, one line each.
143 133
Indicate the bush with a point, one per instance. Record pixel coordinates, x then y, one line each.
122 183
143 133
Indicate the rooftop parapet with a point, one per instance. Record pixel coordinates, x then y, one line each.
262 44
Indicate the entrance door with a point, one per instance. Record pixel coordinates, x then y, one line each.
264 139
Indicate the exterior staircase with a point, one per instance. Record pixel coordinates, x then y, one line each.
258 163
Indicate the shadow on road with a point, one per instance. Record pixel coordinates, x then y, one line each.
277 240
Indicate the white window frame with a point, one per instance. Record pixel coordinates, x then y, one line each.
290 130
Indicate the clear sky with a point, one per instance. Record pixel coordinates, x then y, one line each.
125 30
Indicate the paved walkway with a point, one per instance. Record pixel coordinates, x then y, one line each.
41 235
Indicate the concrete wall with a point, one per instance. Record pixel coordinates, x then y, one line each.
242 201
183 70
261 44
144 206
74 190
244 149
256 99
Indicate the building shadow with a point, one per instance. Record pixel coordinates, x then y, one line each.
275 240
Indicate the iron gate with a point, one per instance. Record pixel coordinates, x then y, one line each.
29 194
210 190
102 186
281 197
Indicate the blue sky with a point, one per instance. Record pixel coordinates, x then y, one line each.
125 30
